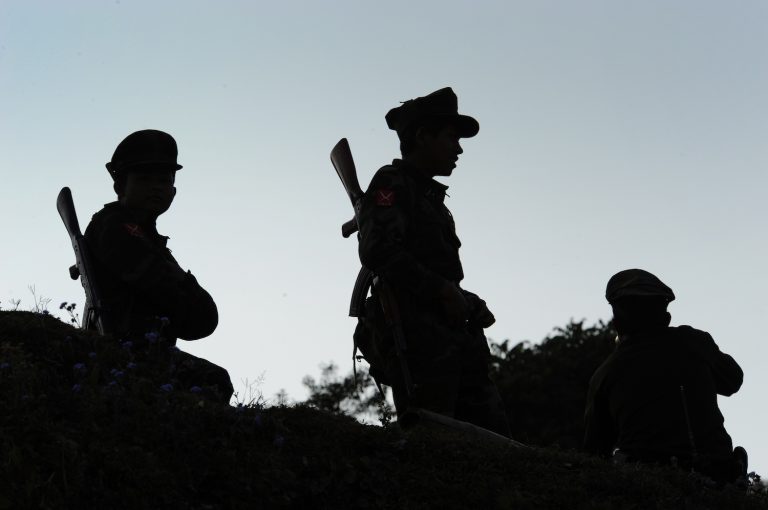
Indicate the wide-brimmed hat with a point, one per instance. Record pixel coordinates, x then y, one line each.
636 283
441 105
148 150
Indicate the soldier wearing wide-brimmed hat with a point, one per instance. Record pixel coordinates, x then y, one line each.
145 291
408 238
654 399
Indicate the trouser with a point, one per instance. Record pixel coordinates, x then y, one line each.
192 371
449 372
182 369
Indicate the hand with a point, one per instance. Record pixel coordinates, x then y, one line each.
454 305
481 316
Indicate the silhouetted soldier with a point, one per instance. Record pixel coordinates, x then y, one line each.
407 236
145 291
654 400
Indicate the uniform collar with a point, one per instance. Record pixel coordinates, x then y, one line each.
148 226
430 186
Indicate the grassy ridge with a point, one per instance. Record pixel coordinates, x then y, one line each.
91 423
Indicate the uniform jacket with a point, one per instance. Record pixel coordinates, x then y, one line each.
635 402
141 281
407 234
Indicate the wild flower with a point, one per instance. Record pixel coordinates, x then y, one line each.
127 345
167 388
151 337
77 388
196 389
79 368
131 365
164 321
70 309
112 384
5 365
117 374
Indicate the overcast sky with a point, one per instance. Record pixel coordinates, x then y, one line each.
614 134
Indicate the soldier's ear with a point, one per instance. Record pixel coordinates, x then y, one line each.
119 186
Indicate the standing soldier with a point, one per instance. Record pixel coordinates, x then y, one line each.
145 291
654 399
408 239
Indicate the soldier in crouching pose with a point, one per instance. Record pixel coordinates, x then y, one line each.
654 400
145 292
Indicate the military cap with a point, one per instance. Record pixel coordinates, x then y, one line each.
440 105
144 151
636 282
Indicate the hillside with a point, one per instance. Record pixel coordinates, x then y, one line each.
94 423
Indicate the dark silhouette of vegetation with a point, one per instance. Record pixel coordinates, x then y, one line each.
355 394
90 422
544 386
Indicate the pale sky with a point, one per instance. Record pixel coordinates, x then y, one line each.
613 134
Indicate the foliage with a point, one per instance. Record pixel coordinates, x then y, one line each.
91 422
544 386
355 394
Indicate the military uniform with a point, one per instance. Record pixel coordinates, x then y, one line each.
655 398
145 293
408 238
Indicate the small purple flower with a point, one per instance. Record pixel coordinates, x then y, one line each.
131 365
5 365
77 388
279 441
112 384
117 374
151 337
165 321
167 388
127 345
79 368
196 389
92 355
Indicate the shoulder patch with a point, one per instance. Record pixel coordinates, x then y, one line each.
134 229
385 197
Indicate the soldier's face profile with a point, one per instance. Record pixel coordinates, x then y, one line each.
442 150
149 192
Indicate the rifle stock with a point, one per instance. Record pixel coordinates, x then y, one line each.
94 314
341 158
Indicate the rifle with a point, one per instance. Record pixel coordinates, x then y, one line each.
95 315
341 158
